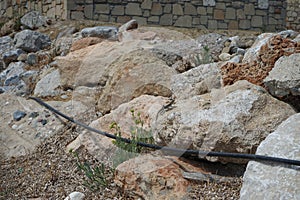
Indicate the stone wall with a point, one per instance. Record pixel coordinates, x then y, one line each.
293 15
263 15
55 9
205 14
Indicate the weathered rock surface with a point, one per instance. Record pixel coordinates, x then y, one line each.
272 181
102 147
31 41
132 75
33 20
151 177
11 56
197 81
104 32
231 119
85 42
266 51
284 78
49 85
6 44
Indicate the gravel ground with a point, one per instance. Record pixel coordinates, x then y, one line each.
52 173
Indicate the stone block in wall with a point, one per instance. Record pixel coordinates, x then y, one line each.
166 20
71 5
201 11
249 9
115 1
156 9
257 21
203 20
220 6
244 24
141 20
222 25
51 13
104 18
102 8
123 19
240 14
272 21
189 9
237 4
77 15
58 10
209 2
89 11
168 8
196 21
184 21
118 10
263 4
212 24
177 9
154 19
133 9
219 14
146 13
230 13
261 12
233 25
147 4
209 10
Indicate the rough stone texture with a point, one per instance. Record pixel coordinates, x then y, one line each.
184 21
85 42
197 81
133 9
102 147
48 85
11 56
230 119
31 41
33 20
104 32
134 74
75 196
284 78
130 25
151 177
6 44
273 181
257 64
62 45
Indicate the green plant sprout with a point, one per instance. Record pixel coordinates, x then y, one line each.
138 133
96 176
204 57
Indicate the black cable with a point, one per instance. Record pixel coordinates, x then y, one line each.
171 150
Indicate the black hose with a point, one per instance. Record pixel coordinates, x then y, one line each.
171 150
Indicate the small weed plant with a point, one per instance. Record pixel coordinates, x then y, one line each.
204 57
138 134
96 177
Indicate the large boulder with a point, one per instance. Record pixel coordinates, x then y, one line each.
151 177
231 119
102 147
275 181
32 41
132 75
284 79
33 20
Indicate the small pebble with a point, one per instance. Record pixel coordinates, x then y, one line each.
34 114
43 122
18 115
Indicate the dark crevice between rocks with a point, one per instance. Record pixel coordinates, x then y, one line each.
293 101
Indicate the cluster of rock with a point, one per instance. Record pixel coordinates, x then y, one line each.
105 72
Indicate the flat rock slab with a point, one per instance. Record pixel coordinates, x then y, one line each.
273 181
